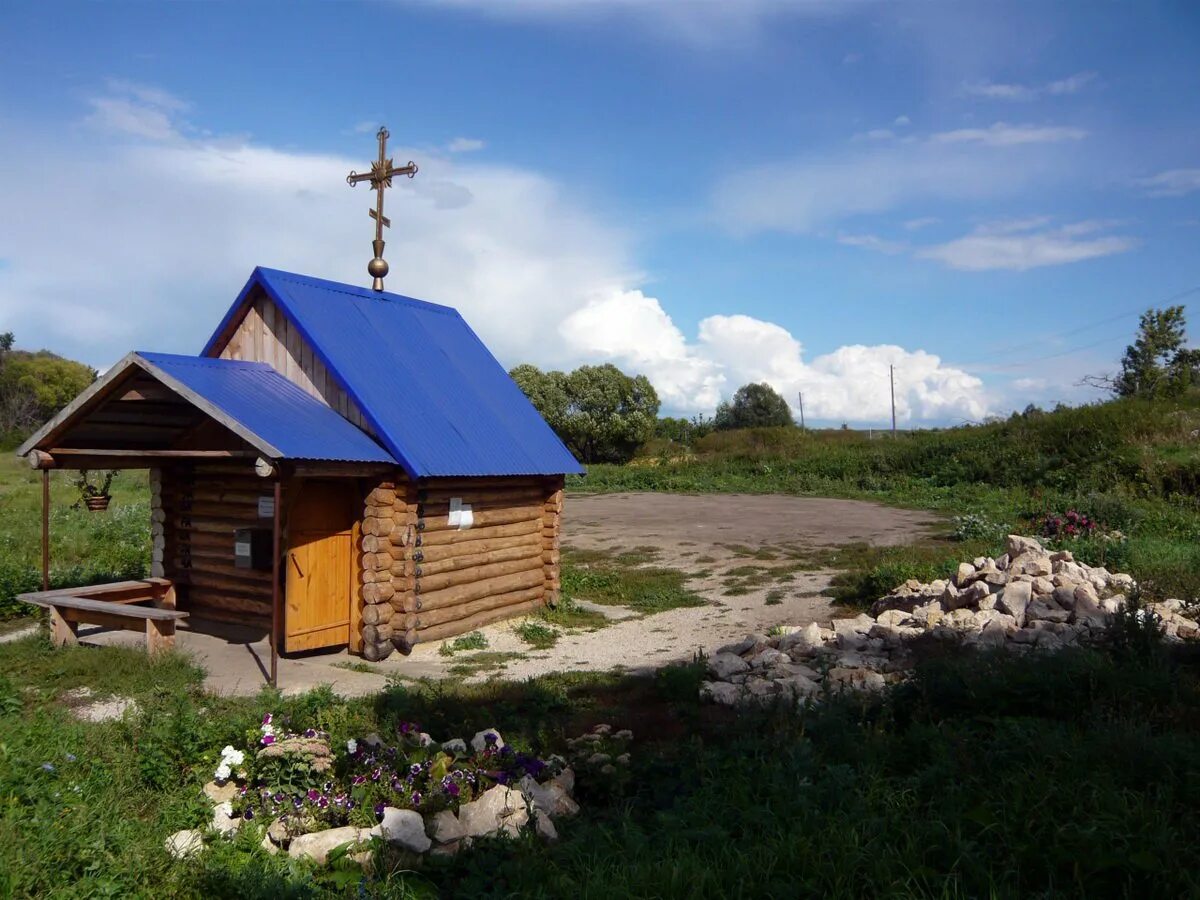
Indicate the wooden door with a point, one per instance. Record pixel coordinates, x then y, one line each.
320 558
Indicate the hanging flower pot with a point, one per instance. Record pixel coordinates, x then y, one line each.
95 497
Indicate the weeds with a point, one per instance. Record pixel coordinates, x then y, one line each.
536 634
473 641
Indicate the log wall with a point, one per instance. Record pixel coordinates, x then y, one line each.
200 506
426 579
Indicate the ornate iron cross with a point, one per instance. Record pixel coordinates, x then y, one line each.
381 175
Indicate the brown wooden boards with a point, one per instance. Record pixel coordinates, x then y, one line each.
319 566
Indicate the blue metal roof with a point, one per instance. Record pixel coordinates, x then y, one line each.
274 414
430 389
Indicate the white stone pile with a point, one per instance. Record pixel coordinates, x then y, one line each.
1027 598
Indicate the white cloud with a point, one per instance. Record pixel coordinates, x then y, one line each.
1027 244
164 232
902 121
970 166
465 145
1001 134
921 222
1172 183
989 90
872 242
698 22
136 110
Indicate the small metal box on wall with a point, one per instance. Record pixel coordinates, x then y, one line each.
252 548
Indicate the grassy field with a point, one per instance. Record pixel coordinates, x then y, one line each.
1076 775
1131 465
85 547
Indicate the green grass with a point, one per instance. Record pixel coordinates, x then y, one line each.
774 597
85 547
473 641
1074 775
609 581
488 661
537 634
357 666
570 616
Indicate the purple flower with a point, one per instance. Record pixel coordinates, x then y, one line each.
375 775
310 733
379 807
268 739
323 802
47 767
267 719
313 794
278 798
416 798
415 769
359 779
248 814
452 789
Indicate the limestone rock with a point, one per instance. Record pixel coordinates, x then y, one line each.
456 746
1016 545
482 739
549 797
965 574
223 819
220 793
184 844
1015 599
317 845
859 679
722 665
499 809
404 828
721 692
544 827
445 828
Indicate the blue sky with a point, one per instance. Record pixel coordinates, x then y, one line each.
983 195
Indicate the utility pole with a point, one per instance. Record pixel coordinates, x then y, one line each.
892 380
801 409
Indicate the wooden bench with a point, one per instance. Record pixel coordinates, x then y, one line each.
116 605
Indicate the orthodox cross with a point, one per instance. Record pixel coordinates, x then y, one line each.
381 175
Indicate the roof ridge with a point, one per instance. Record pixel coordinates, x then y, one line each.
189 359
350 290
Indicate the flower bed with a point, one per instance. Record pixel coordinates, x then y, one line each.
309 796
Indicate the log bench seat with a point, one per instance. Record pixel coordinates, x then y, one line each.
122 605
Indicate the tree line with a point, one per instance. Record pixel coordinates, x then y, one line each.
34 386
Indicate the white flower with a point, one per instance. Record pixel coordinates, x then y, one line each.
352 746
232 757
222 773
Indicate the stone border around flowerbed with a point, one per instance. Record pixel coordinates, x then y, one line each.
501 810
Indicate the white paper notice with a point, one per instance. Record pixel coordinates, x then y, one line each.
266 507
460 514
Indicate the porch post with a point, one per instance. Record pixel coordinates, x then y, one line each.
45 529
275 588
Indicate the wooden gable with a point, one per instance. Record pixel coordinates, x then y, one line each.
266 335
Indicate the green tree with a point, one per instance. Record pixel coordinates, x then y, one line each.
547 391
1157 363
754 406
34 386
601 414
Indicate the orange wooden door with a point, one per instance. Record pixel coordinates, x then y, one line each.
319 562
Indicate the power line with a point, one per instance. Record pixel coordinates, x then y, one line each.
1125 315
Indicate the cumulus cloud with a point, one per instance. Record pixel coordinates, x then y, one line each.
1027 244
136 110
990 90
849 384
167 225
872 242
1172 183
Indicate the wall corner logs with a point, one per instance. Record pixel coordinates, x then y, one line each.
429 573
